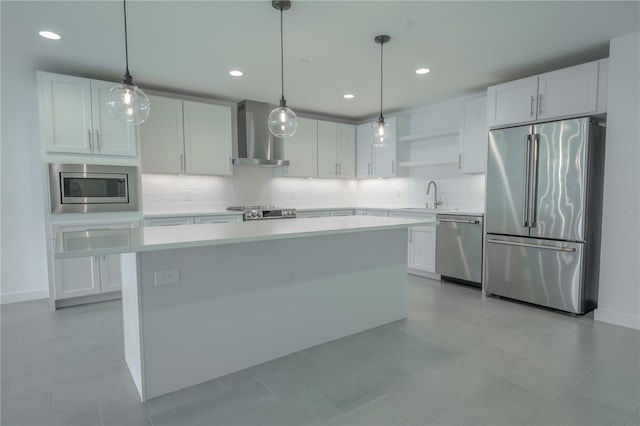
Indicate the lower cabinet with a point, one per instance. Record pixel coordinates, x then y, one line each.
86 276
422 249
190 220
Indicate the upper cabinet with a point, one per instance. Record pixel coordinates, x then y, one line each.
473 137
301 150
382 162
75 121
336 150
189 137
573 91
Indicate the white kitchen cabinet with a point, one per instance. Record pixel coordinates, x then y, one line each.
336 150
218 219
186 137
190 220
379 213
564 93
87 276
422 249
473 137
382 162
342 212
75 120
316 213
301 150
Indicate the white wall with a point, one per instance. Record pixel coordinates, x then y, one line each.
619 298
22 231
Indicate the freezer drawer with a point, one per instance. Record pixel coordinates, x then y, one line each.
459 247
547 273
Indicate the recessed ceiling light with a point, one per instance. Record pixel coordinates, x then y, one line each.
349 96
236 73
422 71
50 35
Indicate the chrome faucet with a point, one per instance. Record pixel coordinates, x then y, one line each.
436 202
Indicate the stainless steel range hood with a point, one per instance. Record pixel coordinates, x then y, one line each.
256 144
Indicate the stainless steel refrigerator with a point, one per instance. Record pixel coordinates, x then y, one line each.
543 213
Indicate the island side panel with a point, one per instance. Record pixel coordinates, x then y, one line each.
131 319
242 304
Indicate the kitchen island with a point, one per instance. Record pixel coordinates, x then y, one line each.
202 301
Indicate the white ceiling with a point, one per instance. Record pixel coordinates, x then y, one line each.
189 46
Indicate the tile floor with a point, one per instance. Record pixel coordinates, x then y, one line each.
459 359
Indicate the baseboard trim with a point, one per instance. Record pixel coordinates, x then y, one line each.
617 319
23 296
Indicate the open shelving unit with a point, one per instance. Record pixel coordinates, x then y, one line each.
436 148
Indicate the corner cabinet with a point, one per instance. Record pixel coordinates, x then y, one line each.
74 117
186 137
382 162
568 92
336 150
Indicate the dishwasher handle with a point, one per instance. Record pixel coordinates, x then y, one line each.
471 221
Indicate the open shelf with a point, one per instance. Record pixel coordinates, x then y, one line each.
430 135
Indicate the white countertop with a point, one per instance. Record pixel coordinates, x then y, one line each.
412 210
116 241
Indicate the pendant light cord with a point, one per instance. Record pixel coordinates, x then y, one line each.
381 80
282 100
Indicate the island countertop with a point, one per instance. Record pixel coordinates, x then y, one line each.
116 241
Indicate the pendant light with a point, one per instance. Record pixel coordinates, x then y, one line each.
282 121
127 102
381 132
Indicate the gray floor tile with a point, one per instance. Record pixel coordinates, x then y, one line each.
5 391
307 408
18 364
500 403
309 373
635 418
190 395
27 409
430 394
217 406
362 385
576 410
263 369
367 415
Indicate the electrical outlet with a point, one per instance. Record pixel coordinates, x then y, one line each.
167 277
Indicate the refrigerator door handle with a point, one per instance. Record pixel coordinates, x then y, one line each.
510 243
533 191
525 181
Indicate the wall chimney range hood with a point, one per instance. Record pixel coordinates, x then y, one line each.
256 144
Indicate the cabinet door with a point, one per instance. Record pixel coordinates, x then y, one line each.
341 213
77 277
377 213
66 113
162 138
513 102
218 219
346 150
422 248
301 150
207 138
473 137
314 214
111 137
363 151
327 164
568 92
384 160
110 273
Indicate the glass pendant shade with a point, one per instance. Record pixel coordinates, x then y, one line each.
128 103
381 134
283 122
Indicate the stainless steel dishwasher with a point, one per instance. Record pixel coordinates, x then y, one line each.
459 248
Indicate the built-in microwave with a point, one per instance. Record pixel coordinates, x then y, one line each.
87 188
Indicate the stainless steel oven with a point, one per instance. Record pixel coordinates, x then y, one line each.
86 188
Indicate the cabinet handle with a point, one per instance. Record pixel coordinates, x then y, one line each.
540 104
459 161
339 169
89 141
336 166
286 170
369 169
393 166
182 167
533 101
98 141
410 235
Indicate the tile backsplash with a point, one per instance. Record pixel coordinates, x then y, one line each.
256 185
